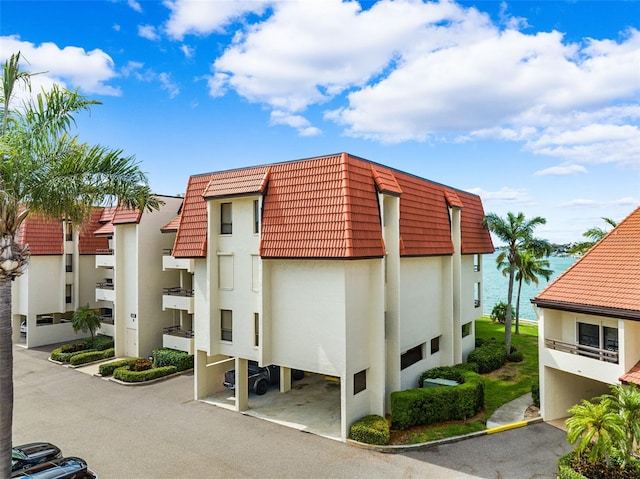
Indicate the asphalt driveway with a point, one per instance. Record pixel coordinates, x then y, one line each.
158 431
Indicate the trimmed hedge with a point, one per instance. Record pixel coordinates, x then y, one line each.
489 357
432 405
101 343
58 355
564 468
372 429
171 357
123 374
107 369
91 356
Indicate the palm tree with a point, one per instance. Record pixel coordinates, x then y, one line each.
598 426
530 267
517 234
46 170
86 320
625 399
594 235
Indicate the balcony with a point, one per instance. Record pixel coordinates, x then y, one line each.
104 291
582 350
177 298
169 262
104 258
174 337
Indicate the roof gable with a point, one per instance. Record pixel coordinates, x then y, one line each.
191 239
43 235
605 280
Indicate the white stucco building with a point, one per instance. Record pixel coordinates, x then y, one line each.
332 265
589 323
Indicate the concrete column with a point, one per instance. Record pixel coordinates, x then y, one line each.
242 384
285 379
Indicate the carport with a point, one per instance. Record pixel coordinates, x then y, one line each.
311 405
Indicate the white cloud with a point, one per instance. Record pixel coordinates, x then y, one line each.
148 32
138 71
135 5
561 170
187 51
70 67
168 84
204 17
414 71
298 122
503 195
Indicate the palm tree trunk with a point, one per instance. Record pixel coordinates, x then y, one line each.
507 319
6 378
518 306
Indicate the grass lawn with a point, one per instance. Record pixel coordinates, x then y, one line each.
507 383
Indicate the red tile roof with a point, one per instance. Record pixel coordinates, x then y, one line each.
44 236
605 281
123 216
88 242
327 207
171 226
633 376
191 239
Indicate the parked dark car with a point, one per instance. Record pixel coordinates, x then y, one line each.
61 468
260 377
28 455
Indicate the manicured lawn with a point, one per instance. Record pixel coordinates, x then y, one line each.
507 383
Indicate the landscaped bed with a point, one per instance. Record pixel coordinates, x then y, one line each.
84 352
165 362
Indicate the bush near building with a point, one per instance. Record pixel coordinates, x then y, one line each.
371 429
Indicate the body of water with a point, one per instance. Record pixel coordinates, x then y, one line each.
495 285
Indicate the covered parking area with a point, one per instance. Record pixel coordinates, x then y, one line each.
311 405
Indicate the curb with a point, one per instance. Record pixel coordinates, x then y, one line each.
440 442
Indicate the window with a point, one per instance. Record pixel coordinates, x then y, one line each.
226 325
476 295
476 262
610 339
68 231
69 263
225 219
466 330
589 335
256 329
68 289
412 356
256 217
225 271
359 381
435 345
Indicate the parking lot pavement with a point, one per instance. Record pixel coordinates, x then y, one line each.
158 431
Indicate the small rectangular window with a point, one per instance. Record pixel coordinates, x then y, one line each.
226 223
225 271
69 263
359 381
226 325
435 345
610 338
256 329
476 294
589 335
256 217
476 262
412 356
68 291
466 330
68 231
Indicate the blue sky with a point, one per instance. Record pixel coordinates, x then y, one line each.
532 105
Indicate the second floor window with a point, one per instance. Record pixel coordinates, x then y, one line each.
256 217
226 222
226 325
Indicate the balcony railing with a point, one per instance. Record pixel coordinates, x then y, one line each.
582 350
177 291
108 251
176 331
106 319
167 251
104 285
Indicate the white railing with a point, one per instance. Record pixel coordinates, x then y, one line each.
582 350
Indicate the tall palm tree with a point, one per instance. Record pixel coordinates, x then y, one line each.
46 170
517 234
625 399
530 268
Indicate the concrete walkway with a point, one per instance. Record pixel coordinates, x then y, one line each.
510 413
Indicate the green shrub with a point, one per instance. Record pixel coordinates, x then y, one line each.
91 356
452 373
73 347
499 312
488 357
58 355
535 393
564 468
370 429
171 357
107 369
100 343
124 374
577 466
438 404
515 357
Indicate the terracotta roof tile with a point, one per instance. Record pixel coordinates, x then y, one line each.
123 216
238 182
88 242
606 277
632 376
327 207
191 239
171 226
44 236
